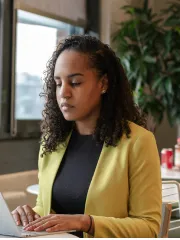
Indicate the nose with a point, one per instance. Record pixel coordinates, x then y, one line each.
64 91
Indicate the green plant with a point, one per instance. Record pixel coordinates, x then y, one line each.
149 48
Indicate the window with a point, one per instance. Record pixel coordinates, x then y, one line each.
35 45
35 40
5 65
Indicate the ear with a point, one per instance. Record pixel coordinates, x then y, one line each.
104 86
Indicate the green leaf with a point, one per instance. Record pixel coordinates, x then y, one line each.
156 83
168 38
177 29
126 64
171 120
172 22
176 70
168 85
149 59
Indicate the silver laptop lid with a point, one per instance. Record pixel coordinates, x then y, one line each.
7 223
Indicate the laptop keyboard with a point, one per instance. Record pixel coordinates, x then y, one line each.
28 233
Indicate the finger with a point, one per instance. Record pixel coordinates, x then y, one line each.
29 213
37 221
46 225
55 228
34 226
40 226
23 216
16 217
36 216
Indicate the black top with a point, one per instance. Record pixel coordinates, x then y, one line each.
74 175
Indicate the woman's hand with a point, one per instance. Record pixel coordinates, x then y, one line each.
24 215
60 222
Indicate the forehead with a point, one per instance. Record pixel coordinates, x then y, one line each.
70 61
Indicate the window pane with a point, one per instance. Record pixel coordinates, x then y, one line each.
35 43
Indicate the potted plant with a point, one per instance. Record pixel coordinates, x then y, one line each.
149 49
172 59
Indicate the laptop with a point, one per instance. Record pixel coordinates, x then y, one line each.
8 226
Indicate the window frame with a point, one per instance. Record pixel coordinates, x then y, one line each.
1 51
7 16
93 15
29 128
6 9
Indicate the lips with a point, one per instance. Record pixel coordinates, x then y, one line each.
66 106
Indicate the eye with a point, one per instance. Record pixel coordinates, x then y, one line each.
75 84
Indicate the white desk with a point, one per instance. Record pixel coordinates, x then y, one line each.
34 189
170 174
63 235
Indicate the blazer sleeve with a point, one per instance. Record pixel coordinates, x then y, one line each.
39 206
145 199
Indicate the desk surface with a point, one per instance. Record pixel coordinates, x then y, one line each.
34 189
62 235
170 174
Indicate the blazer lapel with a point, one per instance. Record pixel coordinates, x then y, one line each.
56 159
96 182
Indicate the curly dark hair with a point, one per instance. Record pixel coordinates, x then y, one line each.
117 108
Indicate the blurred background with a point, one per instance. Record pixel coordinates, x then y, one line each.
137 30
144 34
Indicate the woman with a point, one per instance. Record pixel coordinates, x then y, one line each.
99 170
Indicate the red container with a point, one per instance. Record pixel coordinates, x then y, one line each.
164 157
169 158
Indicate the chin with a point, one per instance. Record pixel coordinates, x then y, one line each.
69 117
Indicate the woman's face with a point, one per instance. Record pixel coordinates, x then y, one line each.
78 89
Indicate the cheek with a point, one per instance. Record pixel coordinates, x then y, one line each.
94 97
94 93
90 98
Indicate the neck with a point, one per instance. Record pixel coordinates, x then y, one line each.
87 126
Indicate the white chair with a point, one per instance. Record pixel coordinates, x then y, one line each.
166 216
171 194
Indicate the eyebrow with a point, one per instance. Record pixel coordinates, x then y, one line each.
69 76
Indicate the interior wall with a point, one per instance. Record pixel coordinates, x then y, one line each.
165 134
70 9
18 155
117 14
159 5
105 21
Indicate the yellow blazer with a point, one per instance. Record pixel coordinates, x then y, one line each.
124 196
